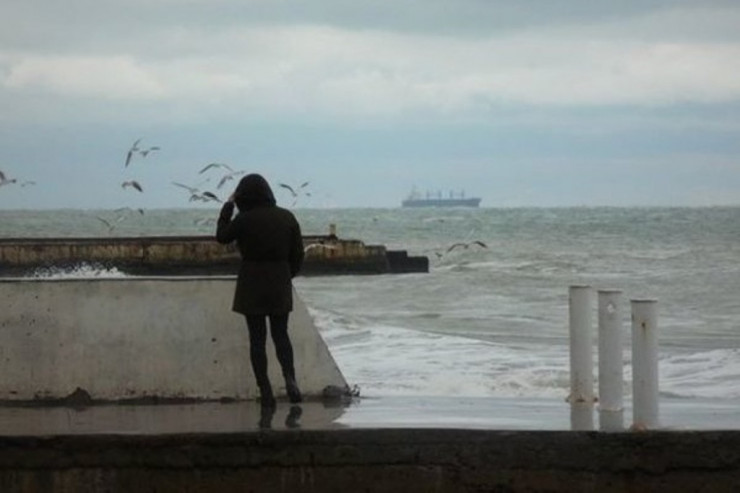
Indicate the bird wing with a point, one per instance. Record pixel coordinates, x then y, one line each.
2 176
304 184
128 156
136 185
478 242
212 196
189 189
289 188
225 179
104 221
215 165
455 245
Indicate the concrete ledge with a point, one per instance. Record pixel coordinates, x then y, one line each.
192 255
141 339
407 460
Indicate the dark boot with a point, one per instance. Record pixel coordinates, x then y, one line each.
291 387
266 398
266 414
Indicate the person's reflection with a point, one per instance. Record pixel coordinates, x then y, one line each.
291 420
266 414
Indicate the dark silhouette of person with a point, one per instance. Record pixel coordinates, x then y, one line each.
271 247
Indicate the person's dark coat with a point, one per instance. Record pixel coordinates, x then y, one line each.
271 247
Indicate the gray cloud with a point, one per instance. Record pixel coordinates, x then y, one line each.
480 93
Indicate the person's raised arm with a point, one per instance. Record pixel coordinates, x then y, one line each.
225 232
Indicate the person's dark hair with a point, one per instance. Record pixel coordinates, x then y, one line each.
253 191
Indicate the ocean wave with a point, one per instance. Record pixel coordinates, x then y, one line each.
387 360
79 271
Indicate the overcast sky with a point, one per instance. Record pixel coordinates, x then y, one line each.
522 103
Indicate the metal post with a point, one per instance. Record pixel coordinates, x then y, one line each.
610 360
645 364
581 354
581 358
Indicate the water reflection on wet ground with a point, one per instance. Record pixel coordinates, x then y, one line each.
379 412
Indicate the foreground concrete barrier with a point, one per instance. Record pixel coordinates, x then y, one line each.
140 339
400 460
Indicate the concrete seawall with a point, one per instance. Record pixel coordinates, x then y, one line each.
401 460
141 338
193 255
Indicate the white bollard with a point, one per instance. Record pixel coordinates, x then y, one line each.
581 345
611 374
644 364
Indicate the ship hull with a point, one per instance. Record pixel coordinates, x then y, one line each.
471 202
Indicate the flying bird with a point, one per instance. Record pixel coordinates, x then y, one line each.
106 222
145 152
210 196
186 187
292 191
229 176
296 192
197 195
216 165
4 180
128 210
134 148
132 183
225 178
467 245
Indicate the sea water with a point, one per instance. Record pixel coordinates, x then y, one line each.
492 320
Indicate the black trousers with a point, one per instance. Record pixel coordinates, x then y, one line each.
257 325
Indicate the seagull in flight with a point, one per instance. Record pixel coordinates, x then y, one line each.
292 191
145 152
295 192
216 165
467 245
196 194
134 148
132 183
4 180
227 177
107 223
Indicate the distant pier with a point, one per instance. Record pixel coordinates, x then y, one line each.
193 256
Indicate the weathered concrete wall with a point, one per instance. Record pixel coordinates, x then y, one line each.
136 338
191 255
375 461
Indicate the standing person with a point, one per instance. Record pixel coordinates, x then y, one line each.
271 247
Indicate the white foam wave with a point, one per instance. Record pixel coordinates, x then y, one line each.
387 360
711 374
80 271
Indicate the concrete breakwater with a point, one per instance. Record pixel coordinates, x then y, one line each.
193 255
389 460
141 339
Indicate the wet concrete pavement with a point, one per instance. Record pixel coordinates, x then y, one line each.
369 412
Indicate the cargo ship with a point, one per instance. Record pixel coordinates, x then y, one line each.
437 199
